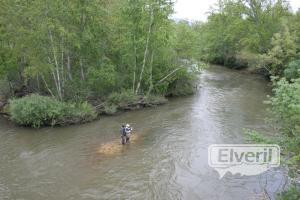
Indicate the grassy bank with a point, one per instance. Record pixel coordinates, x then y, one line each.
37 111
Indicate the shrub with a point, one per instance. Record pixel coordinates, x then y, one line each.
110 109
37 111
285 110
254 136
123 98
183 84
293 193
76 113
293 70
285 107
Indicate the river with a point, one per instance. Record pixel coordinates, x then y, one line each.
167 158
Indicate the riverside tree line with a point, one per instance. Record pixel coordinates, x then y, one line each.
116 52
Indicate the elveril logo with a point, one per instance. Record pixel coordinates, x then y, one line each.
245 159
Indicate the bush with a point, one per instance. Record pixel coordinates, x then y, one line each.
37 111
254 136
293 70
183 85
78 113
121 99
285 107
293 193
110 109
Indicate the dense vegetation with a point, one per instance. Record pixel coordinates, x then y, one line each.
260 34
38 111
285 110
77 51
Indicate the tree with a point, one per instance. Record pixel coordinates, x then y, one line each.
283 50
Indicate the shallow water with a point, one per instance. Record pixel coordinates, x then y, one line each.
167 158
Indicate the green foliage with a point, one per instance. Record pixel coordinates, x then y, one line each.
122 99
286 105
254 136
186 38
37 111
293 70
77 91
76 50
77 113
4 88
293 193
102 81
238 34
283 50
224 32
110 109
182 85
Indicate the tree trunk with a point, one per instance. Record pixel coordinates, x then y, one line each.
54 77
81 70
69 67
146 51
168 75
151 75
56 73
47 87
62 71
135 63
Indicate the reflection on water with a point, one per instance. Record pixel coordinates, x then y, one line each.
166 159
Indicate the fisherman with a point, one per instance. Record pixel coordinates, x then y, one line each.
123 134
128 131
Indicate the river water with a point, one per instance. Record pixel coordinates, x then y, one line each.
167 158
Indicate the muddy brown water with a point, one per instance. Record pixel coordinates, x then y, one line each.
167 158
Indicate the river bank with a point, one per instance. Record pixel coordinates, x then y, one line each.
37 111
114 104
108 108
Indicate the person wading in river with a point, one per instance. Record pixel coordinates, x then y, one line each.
125 133
128 131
